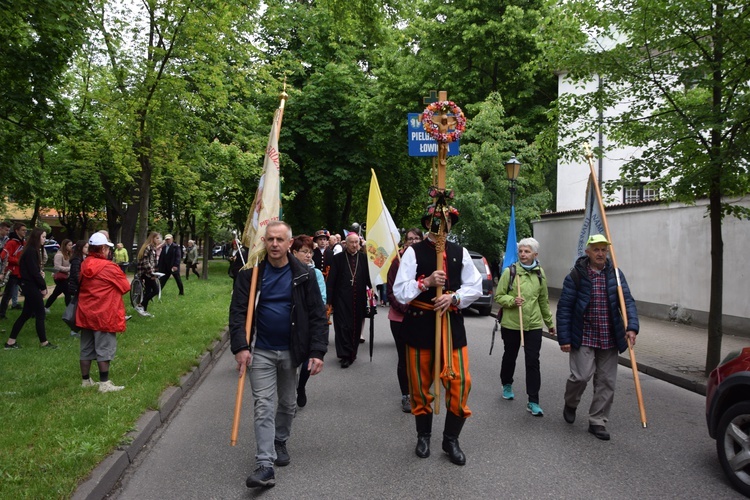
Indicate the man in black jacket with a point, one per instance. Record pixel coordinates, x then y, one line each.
289 328
169 263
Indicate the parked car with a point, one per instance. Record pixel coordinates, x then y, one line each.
51 247
218 251
728 416
483 304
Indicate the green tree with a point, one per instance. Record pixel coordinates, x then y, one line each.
161 54
478 175
681 67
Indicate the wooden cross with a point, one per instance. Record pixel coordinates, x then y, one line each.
430 98
444 123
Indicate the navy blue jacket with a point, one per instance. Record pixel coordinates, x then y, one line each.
169 260
574 302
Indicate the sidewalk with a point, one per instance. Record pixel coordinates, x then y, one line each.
674 352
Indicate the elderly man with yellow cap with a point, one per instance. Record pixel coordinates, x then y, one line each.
590 328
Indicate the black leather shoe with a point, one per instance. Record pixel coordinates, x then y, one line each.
569 414
450 446
599 431
301 398
345 363
423 446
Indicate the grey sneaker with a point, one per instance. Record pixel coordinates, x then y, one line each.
282 456
405 403
262 476
87 382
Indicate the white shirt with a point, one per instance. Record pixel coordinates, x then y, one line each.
405 287
337 249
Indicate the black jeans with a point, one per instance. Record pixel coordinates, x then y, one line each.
191 266
532 346
8 293
33 306
61 287
398 338
150 291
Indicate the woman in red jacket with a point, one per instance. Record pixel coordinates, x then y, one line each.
101 311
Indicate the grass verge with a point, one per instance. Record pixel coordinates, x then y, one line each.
55 431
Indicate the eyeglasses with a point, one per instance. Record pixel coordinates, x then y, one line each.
414 239
305 251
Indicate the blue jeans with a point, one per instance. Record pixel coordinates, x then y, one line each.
272 376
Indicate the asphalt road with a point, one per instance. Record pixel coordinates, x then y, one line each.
352 440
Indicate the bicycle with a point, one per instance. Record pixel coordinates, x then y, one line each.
137 289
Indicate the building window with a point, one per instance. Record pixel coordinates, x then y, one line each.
641 192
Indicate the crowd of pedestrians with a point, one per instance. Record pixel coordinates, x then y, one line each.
421 297
91 275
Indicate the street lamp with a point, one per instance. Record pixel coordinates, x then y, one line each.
512 169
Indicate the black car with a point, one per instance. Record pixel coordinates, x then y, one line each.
483 304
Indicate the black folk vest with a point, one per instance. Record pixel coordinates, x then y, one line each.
418 327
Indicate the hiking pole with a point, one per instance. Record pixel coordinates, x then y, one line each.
243 370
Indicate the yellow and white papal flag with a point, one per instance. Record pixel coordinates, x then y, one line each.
382 235
267 203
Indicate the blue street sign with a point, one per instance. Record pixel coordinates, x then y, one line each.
420 142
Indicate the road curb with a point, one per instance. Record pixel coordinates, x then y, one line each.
671 378
105 476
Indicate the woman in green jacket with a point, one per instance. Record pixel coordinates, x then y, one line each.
531 305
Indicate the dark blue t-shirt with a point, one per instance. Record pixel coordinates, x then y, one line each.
273 314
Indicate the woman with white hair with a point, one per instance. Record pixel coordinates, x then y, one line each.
531 305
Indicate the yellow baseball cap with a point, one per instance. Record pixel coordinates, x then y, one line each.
597 238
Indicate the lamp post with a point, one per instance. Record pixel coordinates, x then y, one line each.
512 169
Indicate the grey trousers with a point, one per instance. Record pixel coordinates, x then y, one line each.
586 362
273 377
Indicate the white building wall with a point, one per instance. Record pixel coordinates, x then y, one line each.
664 252
572 177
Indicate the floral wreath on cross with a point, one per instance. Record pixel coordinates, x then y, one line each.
432 128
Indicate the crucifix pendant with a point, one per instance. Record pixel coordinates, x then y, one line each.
351 281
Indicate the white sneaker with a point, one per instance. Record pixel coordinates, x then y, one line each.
108 386
46 310
140 310
88 383
74 334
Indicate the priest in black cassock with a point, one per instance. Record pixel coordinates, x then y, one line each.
347 286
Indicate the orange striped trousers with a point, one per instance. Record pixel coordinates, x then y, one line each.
420 366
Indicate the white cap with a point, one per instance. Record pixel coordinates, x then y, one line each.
98 239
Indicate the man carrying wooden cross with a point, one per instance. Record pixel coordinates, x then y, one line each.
417 283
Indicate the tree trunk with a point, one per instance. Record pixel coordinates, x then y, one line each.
713 350
144 201
206 248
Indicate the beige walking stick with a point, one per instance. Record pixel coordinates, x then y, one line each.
520 308
621 297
